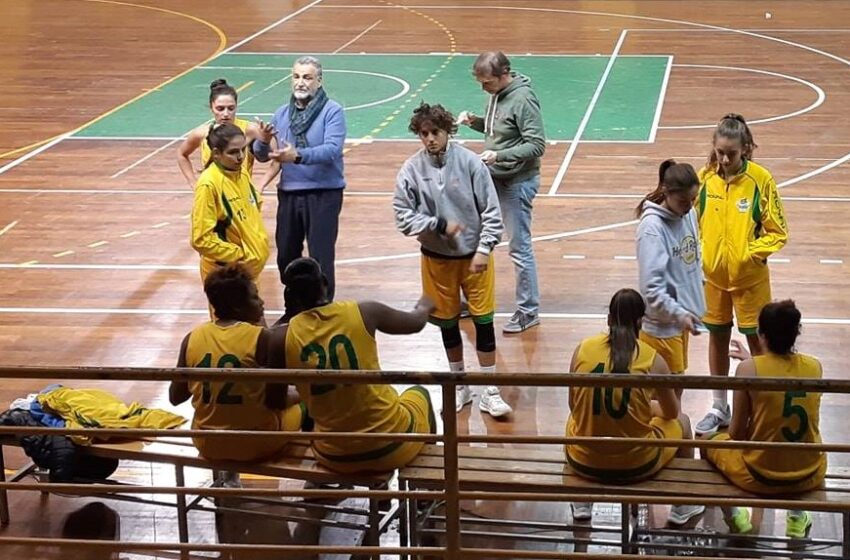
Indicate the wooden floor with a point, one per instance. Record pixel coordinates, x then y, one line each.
95 265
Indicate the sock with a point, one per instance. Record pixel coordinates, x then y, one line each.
720 402
796 513
455 367
489 370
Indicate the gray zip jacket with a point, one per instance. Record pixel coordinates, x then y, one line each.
670 264
454 187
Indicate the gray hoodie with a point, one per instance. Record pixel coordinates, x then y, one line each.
455 187
513 128
670 263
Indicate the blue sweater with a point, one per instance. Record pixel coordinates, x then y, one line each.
321 164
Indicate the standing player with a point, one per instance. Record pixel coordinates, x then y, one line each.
223 102
670 266
340 336
227 225
624 412
774 416
444 195
741 224
234 340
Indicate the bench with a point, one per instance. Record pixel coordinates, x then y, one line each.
296 463
541 472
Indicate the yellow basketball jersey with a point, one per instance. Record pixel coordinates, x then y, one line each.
228 405
785 416
247 163
610 412
333 336
227 221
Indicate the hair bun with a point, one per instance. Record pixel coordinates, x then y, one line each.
218 83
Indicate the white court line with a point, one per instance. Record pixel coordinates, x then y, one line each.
831 261
8 227
587 113
364 32
126 138
70 133
14 163
270 27
702 156
436 53
376 194
660 104
625 258
821 96
748 30
574 257
145 158
691 24
778 260
274 312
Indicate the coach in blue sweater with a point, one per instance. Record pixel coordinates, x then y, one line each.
306 136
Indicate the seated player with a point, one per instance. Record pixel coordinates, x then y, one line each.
773 416
624 412
234 340
340 335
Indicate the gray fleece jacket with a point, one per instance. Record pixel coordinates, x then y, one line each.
513 128
670 264
455 187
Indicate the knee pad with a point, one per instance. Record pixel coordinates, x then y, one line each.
451 336
485 337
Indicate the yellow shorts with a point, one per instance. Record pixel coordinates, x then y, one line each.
444 279
730 463
252 448
395 454
673 350
663 428
747 305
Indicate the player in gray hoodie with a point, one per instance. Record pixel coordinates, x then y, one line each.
444 195
670 264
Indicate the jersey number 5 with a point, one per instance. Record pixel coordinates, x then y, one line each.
797 410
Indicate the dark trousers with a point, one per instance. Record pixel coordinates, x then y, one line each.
312 215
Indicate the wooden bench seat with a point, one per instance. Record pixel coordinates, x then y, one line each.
296 462
495 469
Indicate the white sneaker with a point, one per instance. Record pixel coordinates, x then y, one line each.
582 511
681 514
492 403
463 396
714 419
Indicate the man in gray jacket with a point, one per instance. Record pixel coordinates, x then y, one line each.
444 195
514 142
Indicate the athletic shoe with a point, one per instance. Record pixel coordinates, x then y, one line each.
520 321
681 514
582 511
713 421
463 396
797 526
739 522
492 403
227 479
